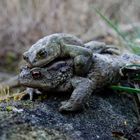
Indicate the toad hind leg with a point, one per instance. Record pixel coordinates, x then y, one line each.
83 88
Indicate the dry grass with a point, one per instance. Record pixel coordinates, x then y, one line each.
7 94
4 92
35 18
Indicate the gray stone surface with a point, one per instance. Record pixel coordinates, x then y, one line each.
39 120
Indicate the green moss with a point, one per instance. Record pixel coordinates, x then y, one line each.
9 108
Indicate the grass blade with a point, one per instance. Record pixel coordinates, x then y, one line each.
134 47
126 89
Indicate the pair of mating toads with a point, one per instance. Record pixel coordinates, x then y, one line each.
62 62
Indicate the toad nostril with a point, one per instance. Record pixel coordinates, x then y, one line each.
25 57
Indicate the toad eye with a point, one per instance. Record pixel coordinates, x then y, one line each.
36 74
42 53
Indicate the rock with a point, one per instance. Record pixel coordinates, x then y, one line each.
107 113
27 132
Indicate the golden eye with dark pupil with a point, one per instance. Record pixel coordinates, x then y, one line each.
42 53
36 74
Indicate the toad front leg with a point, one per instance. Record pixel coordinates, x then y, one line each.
82 57
83 88
31 92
